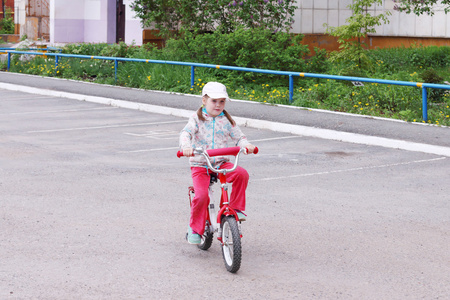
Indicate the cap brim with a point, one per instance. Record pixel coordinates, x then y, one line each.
218 96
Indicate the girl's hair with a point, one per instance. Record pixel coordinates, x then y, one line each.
200 116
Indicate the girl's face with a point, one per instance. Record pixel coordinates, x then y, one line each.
214 107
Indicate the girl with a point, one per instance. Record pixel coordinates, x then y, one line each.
211 127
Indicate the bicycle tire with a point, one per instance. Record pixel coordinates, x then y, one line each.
207 239
231 244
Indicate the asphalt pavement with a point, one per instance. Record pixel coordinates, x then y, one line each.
94 202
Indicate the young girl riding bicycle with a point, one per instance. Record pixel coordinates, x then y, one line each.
211 127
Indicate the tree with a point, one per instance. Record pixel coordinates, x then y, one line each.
419 7
361 23
210 15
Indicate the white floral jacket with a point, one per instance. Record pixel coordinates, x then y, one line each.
214 133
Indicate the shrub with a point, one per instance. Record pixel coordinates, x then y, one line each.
7 23
258 48
171 16
431 76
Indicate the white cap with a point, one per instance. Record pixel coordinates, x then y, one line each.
215 90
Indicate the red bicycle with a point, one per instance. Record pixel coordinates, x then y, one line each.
226 223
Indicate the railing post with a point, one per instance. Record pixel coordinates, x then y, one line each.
424 104
56 64
116 65
9 61
192 76
291 88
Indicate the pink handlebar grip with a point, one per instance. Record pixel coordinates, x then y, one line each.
222 151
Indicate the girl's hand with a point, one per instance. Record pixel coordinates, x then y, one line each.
188 151
250 148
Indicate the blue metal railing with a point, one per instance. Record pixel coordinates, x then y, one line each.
423 86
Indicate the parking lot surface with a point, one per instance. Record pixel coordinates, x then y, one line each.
94 205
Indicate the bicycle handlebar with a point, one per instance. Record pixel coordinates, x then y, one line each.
235 151
222 151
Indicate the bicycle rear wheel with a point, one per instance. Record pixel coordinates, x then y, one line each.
207 238
231 244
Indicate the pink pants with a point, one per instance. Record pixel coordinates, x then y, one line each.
199 205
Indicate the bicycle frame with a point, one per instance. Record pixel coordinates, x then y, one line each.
224 209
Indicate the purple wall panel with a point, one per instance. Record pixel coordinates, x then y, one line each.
69 31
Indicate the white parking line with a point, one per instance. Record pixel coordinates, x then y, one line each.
24 98
149 150
350 170
276 138
58 111
103 127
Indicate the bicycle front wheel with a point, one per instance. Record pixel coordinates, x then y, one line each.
231 244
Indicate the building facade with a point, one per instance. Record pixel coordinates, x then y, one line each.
110 21
403 29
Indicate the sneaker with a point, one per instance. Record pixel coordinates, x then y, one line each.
192 237
241 216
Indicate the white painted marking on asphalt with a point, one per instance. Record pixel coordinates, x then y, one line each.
150 150
261 124
23 98
58 111
103 127
276 138
157 134
351 169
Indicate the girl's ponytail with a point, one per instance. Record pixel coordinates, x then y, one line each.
200 114
233 123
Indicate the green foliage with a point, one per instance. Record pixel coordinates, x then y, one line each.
171 16
417 57
318 63
85 48
258 48
357 26
419 7
7 23
432 76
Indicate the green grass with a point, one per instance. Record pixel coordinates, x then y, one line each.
390 101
